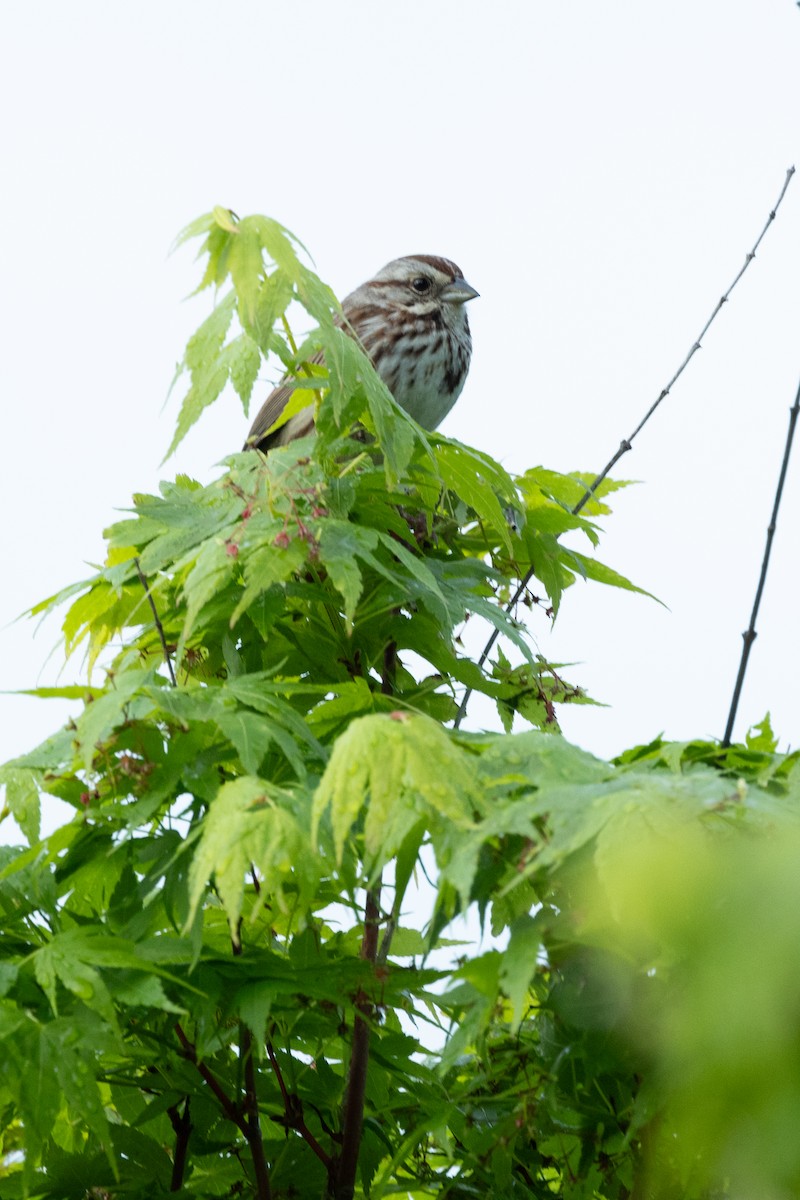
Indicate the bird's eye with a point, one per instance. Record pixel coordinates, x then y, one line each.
421 284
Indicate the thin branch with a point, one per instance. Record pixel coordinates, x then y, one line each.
254 1138
157 619
359 1060
389 932
293 1109
749 636
388 678
252 1118
285 1095
182 1124
389 672
230 1109
627 443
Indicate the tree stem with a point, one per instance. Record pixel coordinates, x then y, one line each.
359 1061
254 1138
182 1124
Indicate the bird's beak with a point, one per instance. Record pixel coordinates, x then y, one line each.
458 292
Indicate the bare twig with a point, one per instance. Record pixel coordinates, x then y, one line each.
293 1110
627 443
389 669
182 1124
749 636
359 1060
157 619
285 1095
231 1110
389 932
253 1135
251 1118
245 1119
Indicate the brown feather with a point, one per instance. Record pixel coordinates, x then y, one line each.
271 410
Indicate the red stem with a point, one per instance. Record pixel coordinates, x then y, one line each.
228 1107
359 1061
294 1112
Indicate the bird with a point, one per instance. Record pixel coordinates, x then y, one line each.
411 320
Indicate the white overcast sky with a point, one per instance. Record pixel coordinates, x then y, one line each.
598 171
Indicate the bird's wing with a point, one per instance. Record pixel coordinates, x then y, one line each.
259 437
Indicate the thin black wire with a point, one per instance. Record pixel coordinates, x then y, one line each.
627 443
749 636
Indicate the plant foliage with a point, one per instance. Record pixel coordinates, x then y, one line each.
231 972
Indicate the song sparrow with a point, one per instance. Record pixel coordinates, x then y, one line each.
411 321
